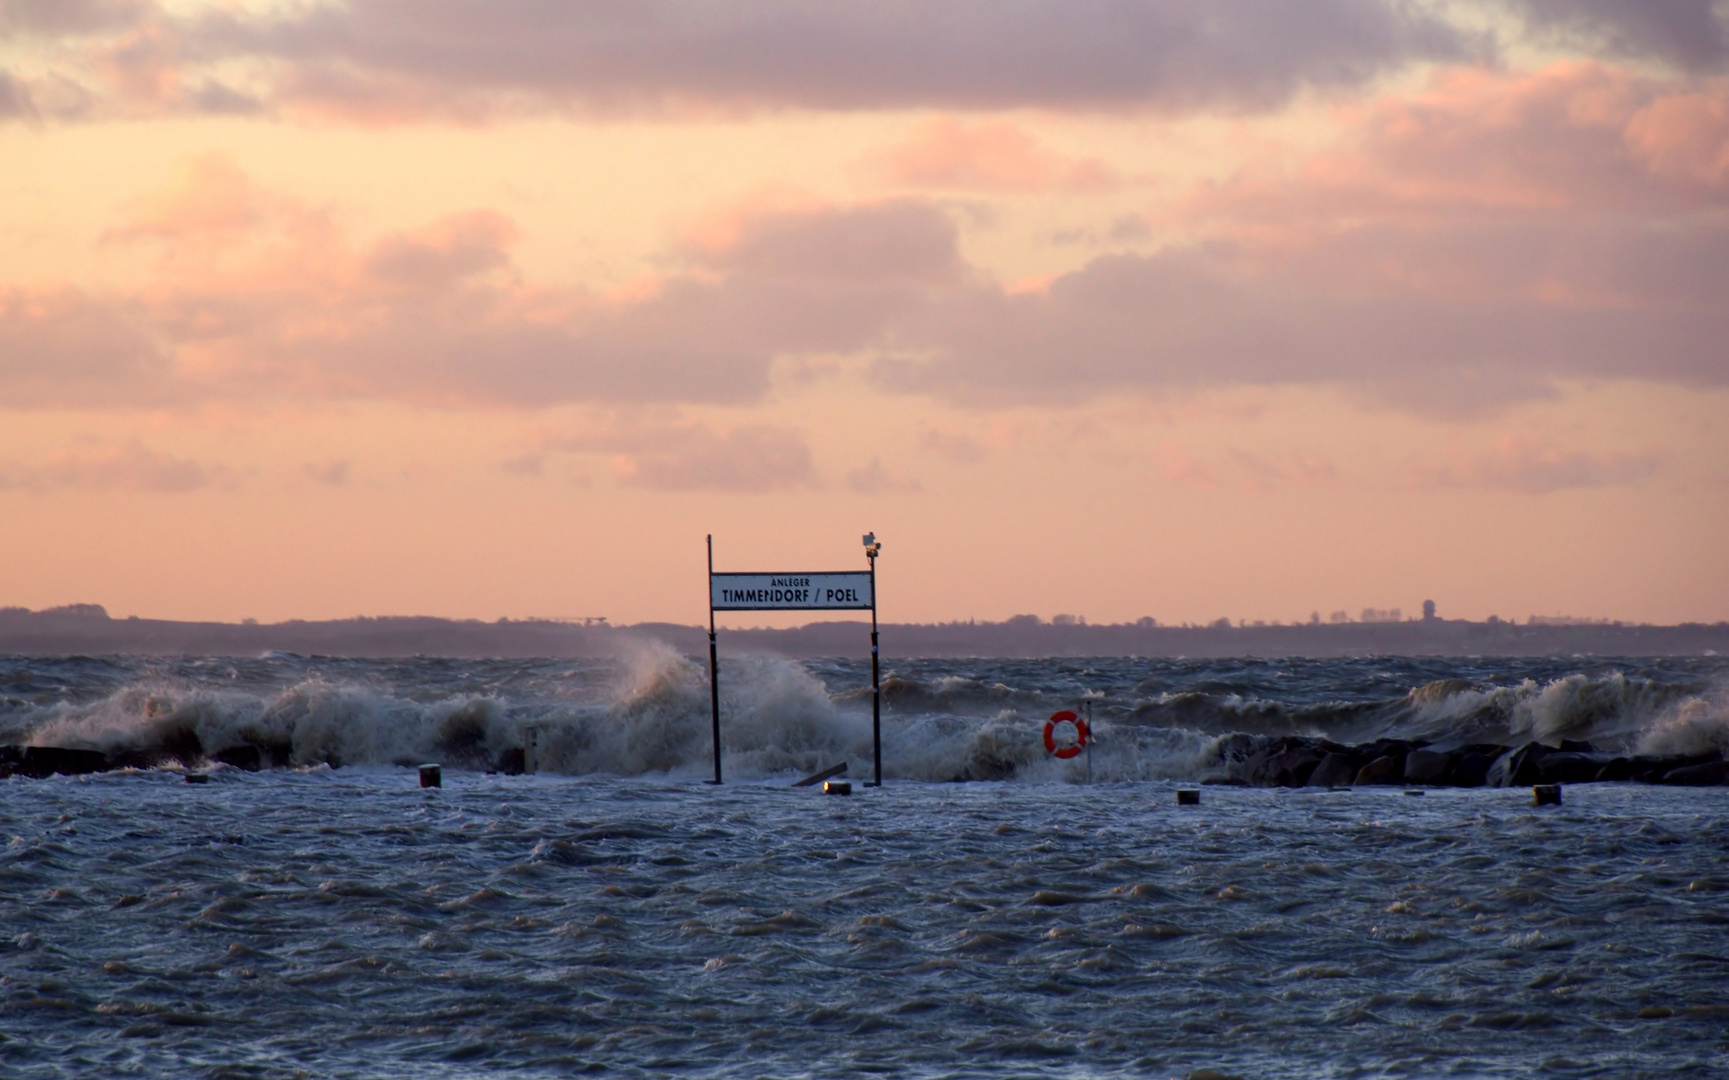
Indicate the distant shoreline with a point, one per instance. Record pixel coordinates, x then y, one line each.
87 630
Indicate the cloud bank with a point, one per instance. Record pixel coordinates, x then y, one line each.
405 59
1452 250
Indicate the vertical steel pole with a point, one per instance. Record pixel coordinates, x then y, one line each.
876 685
713 663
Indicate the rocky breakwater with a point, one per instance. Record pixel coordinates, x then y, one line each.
40 762
1298 761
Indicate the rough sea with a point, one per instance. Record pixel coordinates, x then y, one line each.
988 912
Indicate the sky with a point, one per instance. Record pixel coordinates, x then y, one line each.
1115 308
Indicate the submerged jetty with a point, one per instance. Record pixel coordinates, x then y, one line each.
1300 761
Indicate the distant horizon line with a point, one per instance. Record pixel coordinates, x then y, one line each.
1387 617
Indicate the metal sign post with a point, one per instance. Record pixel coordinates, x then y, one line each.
872 549
844 590
713 665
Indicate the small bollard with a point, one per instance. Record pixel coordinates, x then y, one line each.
431 776
1546 795
1188 797
1413 792
197 778
837 787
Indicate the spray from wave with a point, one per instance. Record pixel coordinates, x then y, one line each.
650 716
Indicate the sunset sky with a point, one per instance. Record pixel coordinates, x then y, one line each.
1180 308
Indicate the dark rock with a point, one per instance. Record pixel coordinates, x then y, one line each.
1576 746
1616 769
43 761
1570 767
1393 748
1252 770
153 758
1651 770
1427 767
1336 770
1235 748
1273 763
1517 767
1294 767
241 757
1469 769
1707 774
1385 769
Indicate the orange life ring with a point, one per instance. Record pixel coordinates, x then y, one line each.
1069 751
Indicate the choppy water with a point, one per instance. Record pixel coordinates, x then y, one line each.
341 922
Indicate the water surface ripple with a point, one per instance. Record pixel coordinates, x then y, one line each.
343 923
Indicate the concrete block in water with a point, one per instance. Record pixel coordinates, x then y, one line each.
1546 795
431 776
837 787
1188 797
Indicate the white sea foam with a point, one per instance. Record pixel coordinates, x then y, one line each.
651 715
1698 725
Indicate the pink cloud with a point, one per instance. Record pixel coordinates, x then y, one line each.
874 479
133 468
1576 137
63 347
994 155
257 297
1685 137
1243 470
208 194
1529 467
691 457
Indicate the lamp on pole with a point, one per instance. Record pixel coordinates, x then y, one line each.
872 550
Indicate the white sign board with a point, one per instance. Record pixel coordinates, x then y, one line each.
848 590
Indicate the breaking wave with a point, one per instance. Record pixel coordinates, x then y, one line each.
648 714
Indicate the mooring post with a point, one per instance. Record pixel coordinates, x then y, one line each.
871 549
713 663
1091 735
